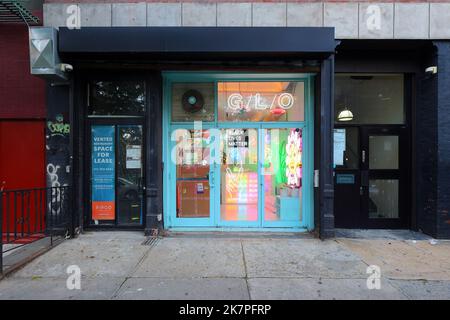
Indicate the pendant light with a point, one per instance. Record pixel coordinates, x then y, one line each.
345 115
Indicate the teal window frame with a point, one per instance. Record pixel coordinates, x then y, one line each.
307 218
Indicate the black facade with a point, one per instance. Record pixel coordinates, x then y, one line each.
145 52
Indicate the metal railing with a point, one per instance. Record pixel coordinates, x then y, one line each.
28 215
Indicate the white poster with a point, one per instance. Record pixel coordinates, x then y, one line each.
339 147
133 157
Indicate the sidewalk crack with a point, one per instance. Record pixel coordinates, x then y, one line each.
245 271
135 268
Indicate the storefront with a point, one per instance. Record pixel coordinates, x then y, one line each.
239 150
177 131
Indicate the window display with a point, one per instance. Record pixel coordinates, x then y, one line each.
261 101
235 157
283 174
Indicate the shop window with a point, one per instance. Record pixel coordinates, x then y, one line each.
192 102
116 98
346 151
369 99
261 101
282 174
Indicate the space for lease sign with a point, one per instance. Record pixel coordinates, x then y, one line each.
103 173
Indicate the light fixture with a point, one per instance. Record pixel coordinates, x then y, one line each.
345 115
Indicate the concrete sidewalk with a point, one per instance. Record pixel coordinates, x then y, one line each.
116 265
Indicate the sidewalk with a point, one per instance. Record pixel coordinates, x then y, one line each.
116 265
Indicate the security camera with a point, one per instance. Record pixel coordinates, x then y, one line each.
431 70
65 67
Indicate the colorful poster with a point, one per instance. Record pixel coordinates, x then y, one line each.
103 173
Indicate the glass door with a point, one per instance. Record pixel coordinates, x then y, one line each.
116 184
384 185
282 176
192 178
239 177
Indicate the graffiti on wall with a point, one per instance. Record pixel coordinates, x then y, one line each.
58 127
58 160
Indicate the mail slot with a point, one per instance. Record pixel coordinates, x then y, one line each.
345 178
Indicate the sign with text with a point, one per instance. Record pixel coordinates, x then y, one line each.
103 173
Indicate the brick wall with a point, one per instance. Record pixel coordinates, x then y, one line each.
21 94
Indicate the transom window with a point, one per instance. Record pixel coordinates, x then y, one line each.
238 101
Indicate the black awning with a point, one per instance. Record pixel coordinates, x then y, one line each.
187 42
15 11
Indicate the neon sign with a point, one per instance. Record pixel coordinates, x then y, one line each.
294 159
237 101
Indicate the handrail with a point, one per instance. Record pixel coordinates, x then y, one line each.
27 215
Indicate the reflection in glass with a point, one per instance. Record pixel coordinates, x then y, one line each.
129 175
372 99
239 175
346 148
124 98
192 102
383 199
383 152
282 172
261 101
192 173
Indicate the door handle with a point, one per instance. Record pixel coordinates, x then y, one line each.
211 179
363 156
364 178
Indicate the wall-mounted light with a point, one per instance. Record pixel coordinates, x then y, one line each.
345 115
431 70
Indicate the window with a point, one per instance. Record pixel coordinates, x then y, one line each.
261 101
116 98
371 99
193 102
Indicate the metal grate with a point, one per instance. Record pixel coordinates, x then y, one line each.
151 241
14 11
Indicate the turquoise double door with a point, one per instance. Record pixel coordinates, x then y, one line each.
235 174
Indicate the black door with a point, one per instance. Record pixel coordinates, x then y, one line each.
116 182
371 177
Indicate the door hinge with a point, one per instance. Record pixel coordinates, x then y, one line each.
316 178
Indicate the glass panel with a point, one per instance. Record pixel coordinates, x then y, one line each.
116 98
192 157
383 152
239 175
103 174
371 99
261 101
192 102
282 172
383 199
129 175
346 153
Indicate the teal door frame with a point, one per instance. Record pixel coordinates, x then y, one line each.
169 174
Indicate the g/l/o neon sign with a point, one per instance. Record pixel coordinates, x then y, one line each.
237 102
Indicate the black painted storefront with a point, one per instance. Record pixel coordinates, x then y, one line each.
145 52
